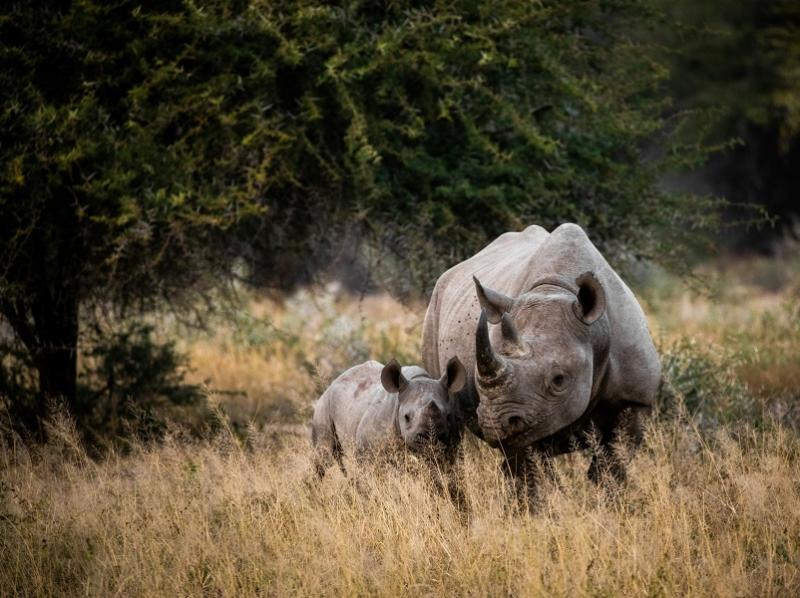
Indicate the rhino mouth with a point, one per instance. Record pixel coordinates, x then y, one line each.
517 433
517 440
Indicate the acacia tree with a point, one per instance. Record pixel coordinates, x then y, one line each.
122 170
437 126
147 147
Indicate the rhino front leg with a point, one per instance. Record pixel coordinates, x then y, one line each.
528 469
449 477
611 453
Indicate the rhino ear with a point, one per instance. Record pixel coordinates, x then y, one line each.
455 376
495 304
392 377
591 301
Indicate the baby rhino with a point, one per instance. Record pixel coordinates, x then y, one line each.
375 409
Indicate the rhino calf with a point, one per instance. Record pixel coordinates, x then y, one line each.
377 409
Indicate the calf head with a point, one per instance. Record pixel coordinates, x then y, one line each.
535 373
427 417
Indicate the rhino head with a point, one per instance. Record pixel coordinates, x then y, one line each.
535 372
427 417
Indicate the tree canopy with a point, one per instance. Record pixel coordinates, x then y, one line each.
154 149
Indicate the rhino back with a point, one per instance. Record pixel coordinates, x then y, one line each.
354 397
452 315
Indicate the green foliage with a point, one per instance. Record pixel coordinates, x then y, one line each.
122 179
119 158
705 384
436 126
439 126
129 380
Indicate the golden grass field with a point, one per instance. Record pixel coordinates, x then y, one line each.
711 506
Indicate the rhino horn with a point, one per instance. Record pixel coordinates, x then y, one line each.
509 331
490 365
495 304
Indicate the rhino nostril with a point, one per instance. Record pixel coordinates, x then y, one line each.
514 421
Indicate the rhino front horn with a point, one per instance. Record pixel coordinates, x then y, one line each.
489 364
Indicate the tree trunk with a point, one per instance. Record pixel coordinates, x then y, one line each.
57 360
55 318
40 298
54 303
48 327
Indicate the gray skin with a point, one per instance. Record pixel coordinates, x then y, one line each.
568 351
372 409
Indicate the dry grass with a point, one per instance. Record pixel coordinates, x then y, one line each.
697 517
748 318
706 511
272 360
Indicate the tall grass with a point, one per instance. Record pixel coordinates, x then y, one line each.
697 516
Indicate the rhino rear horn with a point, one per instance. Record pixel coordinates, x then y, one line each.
591 301
495 304
509 331
488 363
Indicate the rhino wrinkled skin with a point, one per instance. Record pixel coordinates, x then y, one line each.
568 350
374 409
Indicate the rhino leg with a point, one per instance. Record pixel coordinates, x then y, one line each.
610 453
447 474
528 469
327 449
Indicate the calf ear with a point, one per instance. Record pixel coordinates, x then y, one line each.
591 301
495 304
392 377
455 376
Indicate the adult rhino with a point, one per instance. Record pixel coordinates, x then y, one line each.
569 352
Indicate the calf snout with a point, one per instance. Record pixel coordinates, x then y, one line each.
430 438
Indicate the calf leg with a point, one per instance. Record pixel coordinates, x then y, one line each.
327 449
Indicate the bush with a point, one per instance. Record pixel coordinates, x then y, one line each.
705 384
131 384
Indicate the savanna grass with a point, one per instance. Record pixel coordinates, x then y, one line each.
698 515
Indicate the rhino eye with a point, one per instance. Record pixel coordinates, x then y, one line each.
558 382
407 417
